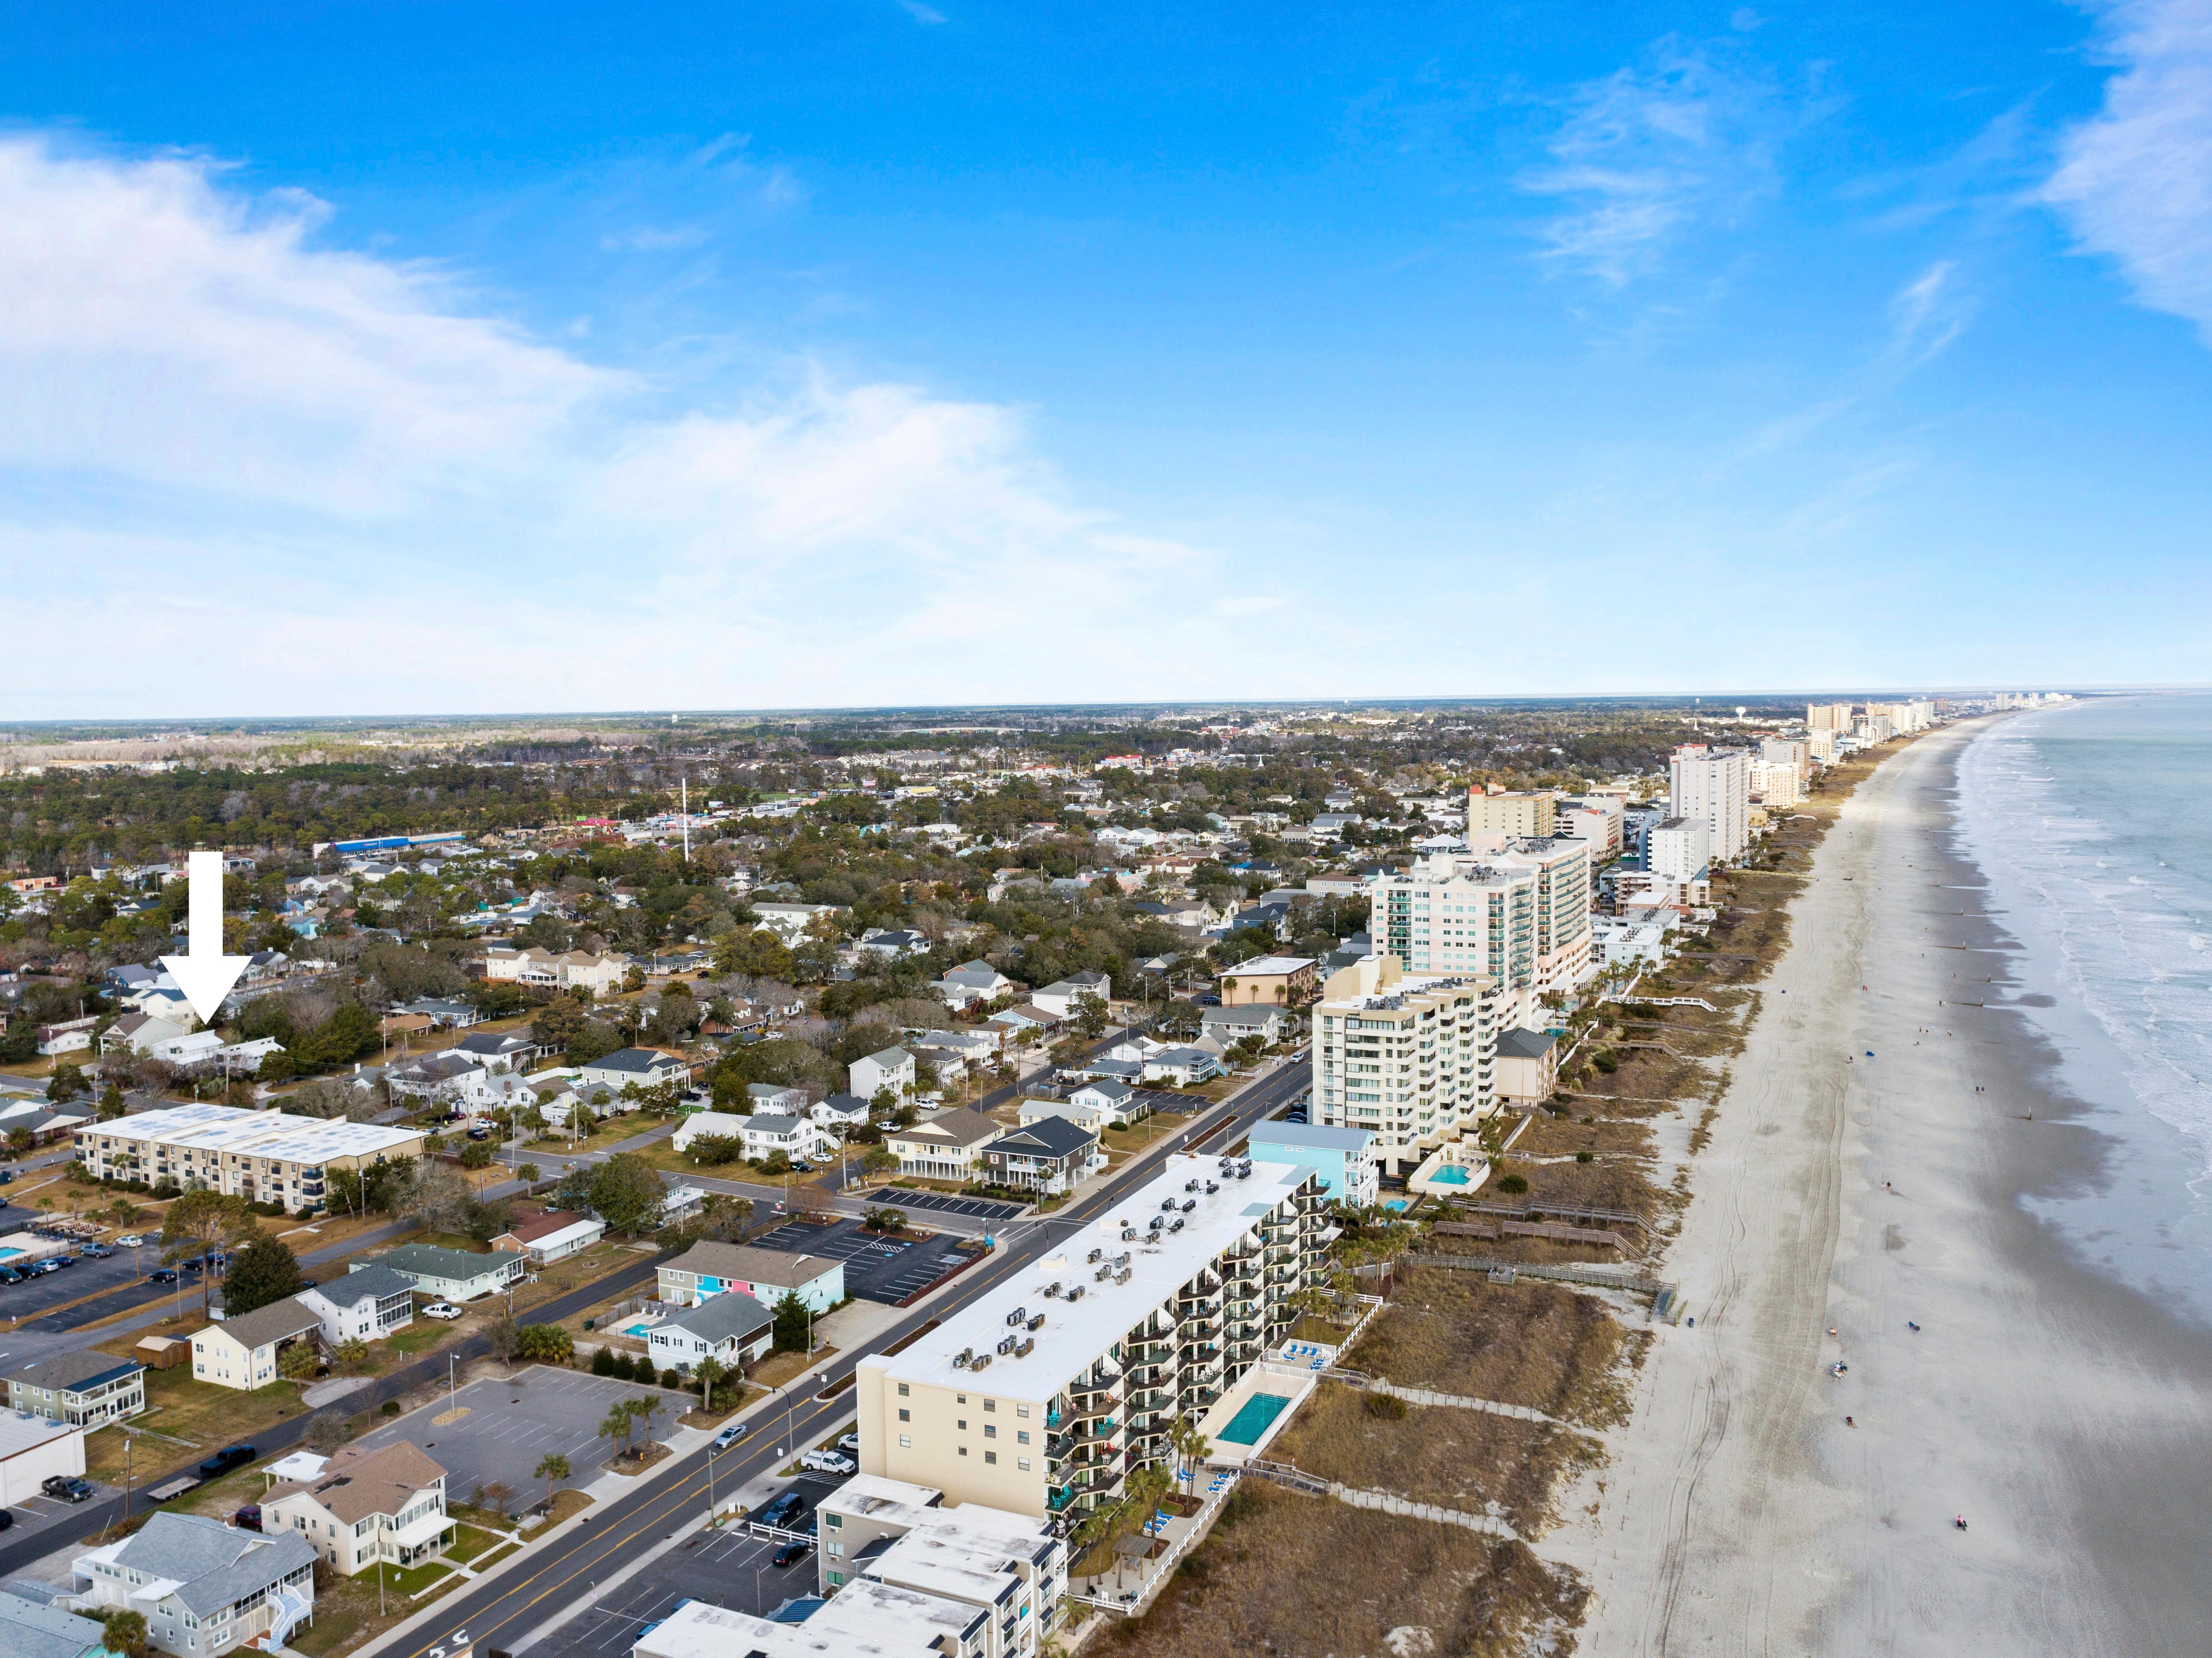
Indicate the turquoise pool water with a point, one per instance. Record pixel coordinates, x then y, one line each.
637 1330
1451 1175
1395 1203
8 1252
1253 1418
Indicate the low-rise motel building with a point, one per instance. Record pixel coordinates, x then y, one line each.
263 1157
1040 1397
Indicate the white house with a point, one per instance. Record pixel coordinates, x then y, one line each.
363 1306
203 1587
366 1506
1059 999
732 1328
775 1098
1185 1067
893 1068
451 1274
841 1113
972 982
1119 1101
553 1236
795 1137
643 1067
709 1125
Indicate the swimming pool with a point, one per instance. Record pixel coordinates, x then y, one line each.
1398 1204
1253 1418
639 1329
8 1252
1451 1175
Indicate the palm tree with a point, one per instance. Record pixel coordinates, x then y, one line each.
709 1372
552 1468
1191 1448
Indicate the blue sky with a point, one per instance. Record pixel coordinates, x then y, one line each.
461 357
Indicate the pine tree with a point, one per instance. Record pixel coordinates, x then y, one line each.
266 1269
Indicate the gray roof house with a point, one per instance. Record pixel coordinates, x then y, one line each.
732 1328
83 1388
1048 1155
645 1066
365 1304
203 1587
452 1274
28 1630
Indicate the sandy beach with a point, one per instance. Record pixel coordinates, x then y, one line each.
1856 1179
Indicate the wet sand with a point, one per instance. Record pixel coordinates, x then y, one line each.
2070 1419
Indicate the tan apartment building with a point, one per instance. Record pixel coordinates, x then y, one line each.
263 1157
1410 1058
1272 980
1513 811
1041 1396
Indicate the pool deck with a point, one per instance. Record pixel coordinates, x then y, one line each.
1289 1383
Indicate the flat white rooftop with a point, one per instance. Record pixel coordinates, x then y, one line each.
1074 1335
209 1128
865 1619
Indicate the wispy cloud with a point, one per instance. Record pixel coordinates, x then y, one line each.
920 13
1685 142
2134 180
1928 313
207 407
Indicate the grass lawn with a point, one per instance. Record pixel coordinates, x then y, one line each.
470 1541
498 1555
413 1580
567 1501
200 1412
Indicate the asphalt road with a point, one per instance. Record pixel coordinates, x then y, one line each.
501 1613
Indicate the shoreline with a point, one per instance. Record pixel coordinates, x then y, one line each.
2069 1416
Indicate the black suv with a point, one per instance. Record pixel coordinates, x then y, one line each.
229 1457
782 1512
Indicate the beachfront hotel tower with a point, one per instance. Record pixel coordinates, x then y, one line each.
1514 910
1412 1058
1715 785
1043 1395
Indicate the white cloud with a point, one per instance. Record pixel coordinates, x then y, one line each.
2135 181
920 13
298 479
1928 313
1650 153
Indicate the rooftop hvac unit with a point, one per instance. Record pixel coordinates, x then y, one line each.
1190 1186
1176 1226
1121 1277
1212 1186
1076 1294
983 1362
1103 1274
1024 1349
1020 1315
1189 1204
1094 1257
1037 1323
1121 1259
1052 1291
1006 1346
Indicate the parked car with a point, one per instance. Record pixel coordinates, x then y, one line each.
731 1435
790 1555
247 1518
97 1251
60 1261
6 1519
6 1176
829 1462
67 1490
850 1445
163 1275
53 1263
9 1275
444 1310
229 1457
785 1510
130 1241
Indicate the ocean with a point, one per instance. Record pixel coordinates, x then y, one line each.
2091 823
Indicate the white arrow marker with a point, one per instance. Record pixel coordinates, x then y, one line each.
205 973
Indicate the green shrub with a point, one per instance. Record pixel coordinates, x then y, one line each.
603 1361
1514 1184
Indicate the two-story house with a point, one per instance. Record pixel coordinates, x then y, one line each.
85 1388
364 1305
202 1587
242 1352
366 1506
942 1145
710 1269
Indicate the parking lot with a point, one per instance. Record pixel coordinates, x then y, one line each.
731 1568
39 1512
511 1425
123 1271
879 1269
974 1208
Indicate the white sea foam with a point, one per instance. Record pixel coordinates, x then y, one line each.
2061 811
